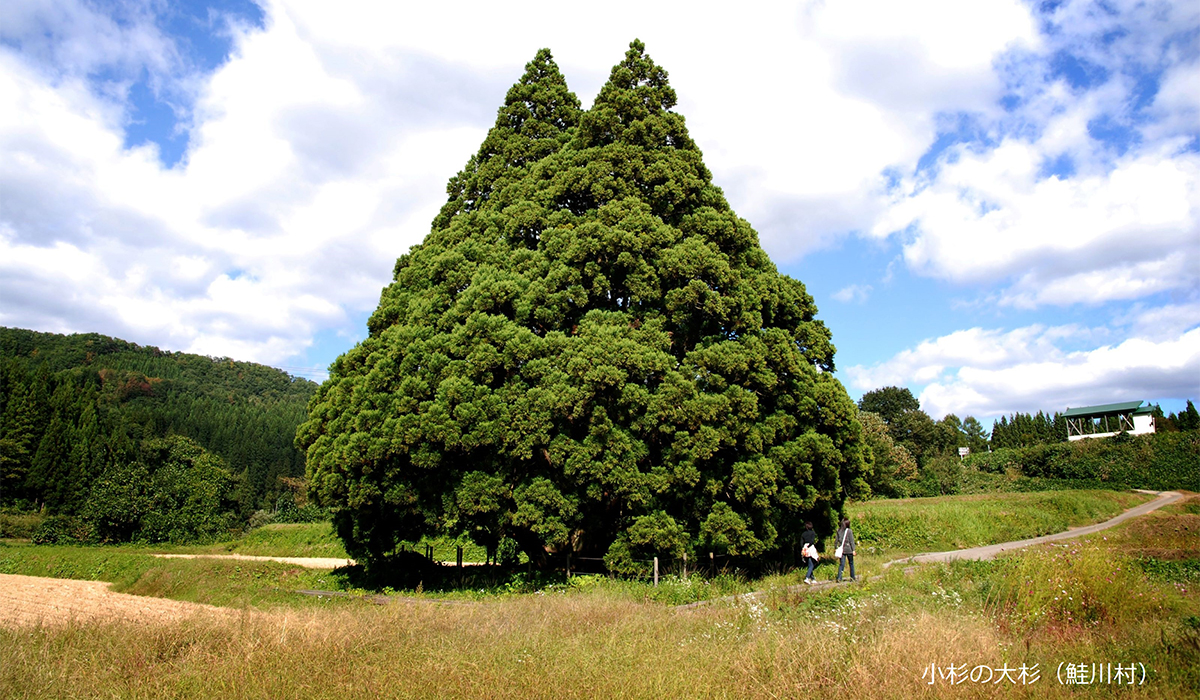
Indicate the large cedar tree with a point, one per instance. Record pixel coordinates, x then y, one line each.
589 352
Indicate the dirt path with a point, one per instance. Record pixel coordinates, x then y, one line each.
306 562
990 551
975 553
33 600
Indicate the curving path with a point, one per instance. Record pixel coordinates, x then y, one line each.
991 550
980 553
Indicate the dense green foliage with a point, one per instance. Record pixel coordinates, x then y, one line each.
81 411
1026 430
1188 419
1154 461
889 403
1030 451
894 471
913 454
175 491
589 353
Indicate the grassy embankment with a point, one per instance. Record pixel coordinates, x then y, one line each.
1125 596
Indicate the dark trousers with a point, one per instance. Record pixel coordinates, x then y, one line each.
842 565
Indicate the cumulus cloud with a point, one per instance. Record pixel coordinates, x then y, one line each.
296 196
1087 191
1124 234
318 151
991 372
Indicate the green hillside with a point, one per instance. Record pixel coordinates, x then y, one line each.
72 406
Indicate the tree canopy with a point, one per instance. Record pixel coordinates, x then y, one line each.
889 403
589 353
75 406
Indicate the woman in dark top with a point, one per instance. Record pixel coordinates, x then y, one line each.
845 539
809 551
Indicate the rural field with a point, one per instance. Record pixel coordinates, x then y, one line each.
1096 606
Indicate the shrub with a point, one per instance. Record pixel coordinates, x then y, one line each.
1157 461
62 529
21 525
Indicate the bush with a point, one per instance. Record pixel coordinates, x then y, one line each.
288 512
21 525
62 529
941 476
1158 461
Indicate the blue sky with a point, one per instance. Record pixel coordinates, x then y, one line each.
994 203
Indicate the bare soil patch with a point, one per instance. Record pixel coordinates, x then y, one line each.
306 562
33 600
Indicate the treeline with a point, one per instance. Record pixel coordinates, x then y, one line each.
912 454
1027 430
76 410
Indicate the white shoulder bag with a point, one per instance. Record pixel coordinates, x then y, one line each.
837 553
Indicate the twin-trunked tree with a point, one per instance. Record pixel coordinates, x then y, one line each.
589 353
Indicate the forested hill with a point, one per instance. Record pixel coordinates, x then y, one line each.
71 405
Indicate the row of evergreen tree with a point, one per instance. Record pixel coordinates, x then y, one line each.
1027 430
75 408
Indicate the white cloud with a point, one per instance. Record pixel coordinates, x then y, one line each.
991 372
853 293
319 152
1123 234
1123 221
74 38
1164 322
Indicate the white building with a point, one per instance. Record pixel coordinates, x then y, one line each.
1108 420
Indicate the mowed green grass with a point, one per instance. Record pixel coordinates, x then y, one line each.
913 525
1092 601
228 583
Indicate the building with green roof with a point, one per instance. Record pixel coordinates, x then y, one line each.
1109 419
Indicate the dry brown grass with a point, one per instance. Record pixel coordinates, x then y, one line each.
532 647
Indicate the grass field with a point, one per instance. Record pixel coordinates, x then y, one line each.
237 584
1123 597
914 525
315 540
886 530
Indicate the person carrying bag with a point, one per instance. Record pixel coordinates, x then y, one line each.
809 551
845 550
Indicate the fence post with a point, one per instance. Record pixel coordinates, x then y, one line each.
656 572
460 557
685 566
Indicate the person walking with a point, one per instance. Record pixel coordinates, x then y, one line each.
809 551
845 549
